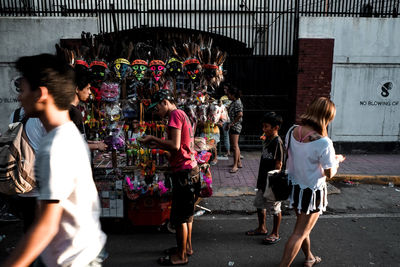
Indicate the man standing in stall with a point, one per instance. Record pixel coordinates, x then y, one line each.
185 173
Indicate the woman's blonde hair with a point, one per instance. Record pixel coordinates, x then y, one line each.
319 114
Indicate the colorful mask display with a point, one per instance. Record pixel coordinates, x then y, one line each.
157 68
139 68
174 67
109 92
192 68
121 67
99 72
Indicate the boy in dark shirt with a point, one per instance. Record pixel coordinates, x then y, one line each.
271 159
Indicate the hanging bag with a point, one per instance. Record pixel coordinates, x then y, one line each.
278 181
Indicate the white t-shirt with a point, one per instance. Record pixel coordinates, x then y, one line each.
34 130
63 173
307 161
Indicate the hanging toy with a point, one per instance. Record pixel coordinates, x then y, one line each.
192 69
139 68
174 67
157 68
121 67
81 66
99 72
109 92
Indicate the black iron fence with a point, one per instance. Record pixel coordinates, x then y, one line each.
265 27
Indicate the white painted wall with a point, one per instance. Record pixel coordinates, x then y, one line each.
26 37
366 57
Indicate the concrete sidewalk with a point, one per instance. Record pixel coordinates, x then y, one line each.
374 169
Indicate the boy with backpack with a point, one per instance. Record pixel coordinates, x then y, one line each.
271 159
67 230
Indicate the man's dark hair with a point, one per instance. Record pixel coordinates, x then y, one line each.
82 79
51 72
273 119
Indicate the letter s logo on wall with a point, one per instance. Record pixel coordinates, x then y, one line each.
386 87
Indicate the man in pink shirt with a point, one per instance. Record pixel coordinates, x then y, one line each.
185 173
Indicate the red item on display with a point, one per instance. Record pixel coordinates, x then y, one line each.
149 210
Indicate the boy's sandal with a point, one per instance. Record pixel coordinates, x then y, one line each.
166 261
270 240
255 232
310 263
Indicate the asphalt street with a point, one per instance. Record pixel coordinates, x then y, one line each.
360 228
340 240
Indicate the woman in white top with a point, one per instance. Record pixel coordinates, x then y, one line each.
311 162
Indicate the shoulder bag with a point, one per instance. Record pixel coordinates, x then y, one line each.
278 181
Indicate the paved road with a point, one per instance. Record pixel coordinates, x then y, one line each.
356 240
361 228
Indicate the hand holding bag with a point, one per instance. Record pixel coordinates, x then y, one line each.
278 181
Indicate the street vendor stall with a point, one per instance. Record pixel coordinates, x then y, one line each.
132 179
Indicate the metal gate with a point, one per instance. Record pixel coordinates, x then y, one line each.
259 35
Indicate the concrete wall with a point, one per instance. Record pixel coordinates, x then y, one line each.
26 37
365 76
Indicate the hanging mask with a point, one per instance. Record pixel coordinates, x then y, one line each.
98 69
192 69
174 67
109 92
120 67
81 66
157 68
139 68
210 71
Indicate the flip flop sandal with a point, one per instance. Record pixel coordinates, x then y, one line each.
166 261
313 262
234 170
271 240
174 250
255 232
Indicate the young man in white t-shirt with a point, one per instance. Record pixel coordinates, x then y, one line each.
67 230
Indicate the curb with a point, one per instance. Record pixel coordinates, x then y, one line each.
233 191
368 179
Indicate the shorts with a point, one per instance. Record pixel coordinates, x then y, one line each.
260 202
308 198
185 186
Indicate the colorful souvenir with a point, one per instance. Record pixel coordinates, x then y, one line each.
157 68
81 65
174 67
109 92
99 71
121 67
192 68
139 68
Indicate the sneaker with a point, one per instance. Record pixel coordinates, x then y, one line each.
241 156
